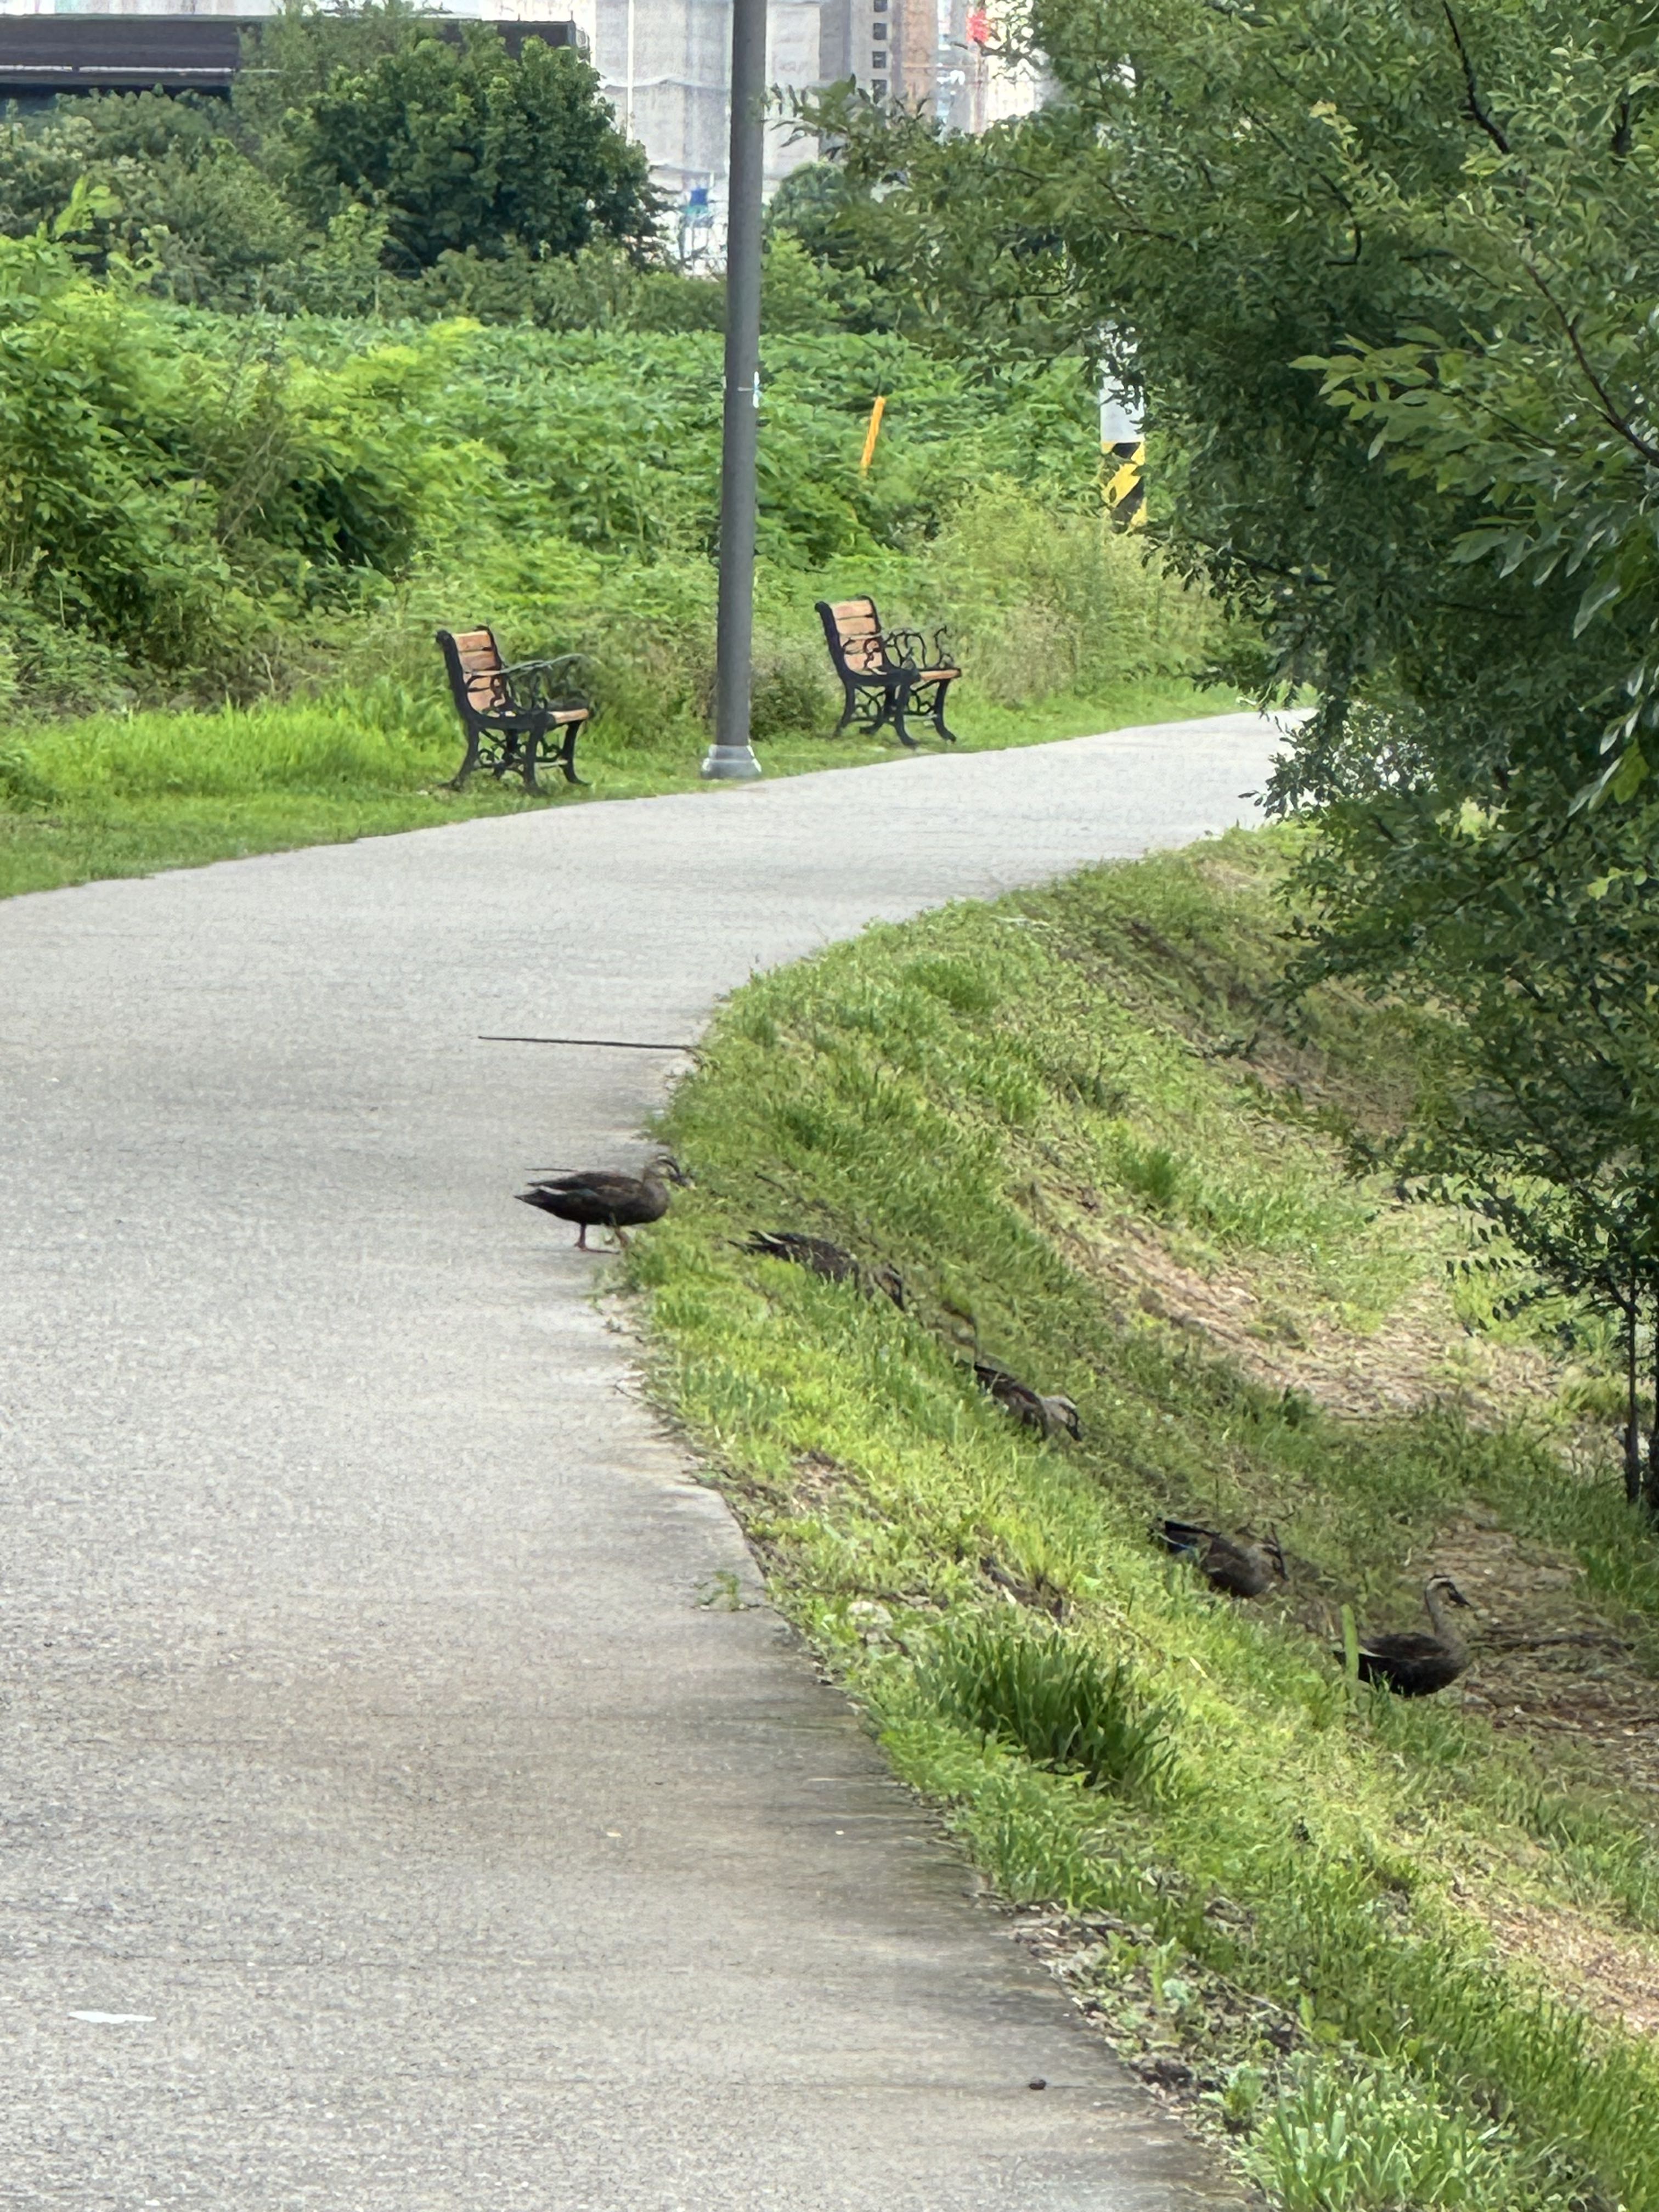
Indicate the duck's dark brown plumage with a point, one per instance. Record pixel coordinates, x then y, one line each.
603 1198
823 1258
1410 1663
1227 1563
1049 1414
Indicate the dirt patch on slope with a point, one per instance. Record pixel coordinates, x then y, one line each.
1418 1356
1614 1976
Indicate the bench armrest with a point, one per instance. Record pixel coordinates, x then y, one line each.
908 648
533 683
524 667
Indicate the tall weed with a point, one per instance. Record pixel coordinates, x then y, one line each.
1054 1697
1367 2139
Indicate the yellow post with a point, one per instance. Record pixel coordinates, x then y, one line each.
872 433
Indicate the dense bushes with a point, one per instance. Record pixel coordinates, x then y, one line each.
233 502
166 507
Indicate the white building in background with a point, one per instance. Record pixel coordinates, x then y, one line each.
665 65
666 68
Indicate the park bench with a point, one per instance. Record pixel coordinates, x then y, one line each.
885 674
509 713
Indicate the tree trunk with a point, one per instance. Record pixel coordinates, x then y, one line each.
1650 1486
1633 1429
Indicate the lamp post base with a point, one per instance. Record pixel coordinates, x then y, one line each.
730 764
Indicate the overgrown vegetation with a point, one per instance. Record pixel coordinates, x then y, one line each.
1390 1953
391 341
278 513
201 500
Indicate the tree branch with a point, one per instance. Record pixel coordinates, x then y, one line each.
1611 414
1471 106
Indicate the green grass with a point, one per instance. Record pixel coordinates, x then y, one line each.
1052 1697
1058 1116
128 794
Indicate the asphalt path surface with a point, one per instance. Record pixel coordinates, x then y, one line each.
386 1820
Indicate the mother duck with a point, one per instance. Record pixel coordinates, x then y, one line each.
602 1198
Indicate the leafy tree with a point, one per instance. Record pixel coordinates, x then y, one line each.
465 148
175 191
1386 273
1543 1112
291 56
834 220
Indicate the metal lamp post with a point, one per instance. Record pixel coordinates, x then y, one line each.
731 757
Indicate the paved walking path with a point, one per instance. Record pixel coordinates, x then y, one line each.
364 1751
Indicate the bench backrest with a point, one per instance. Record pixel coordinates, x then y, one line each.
474 662
851 630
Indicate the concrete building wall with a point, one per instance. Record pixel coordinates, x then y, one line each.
666 67
941 52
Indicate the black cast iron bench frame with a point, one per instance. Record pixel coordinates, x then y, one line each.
886 674
509 711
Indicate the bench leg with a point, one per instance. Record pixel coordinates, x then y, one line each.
566 755
899 698
884 716
458 781
950 736
525 763
850 709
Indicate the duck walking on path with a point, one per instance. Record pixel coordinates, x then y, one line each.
1412 1664
821 1257
602 1198
1227 1563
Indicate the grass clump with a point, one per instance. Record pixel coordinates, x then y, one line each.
1052 1696
1370 2141
1081 1124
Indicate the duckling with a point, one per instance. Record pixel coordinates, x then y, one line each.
601 1198
1227 1563
1038 1591
825 1259
1048 1414
1413 1665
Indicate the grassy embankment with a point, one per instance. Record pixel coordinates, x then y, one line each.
261 671
1388 1953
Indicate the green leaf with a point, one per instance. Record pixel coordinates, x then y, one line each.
1630 776
1597 596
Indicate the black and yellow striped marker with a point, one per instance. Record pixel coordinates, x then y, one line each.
1124 492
